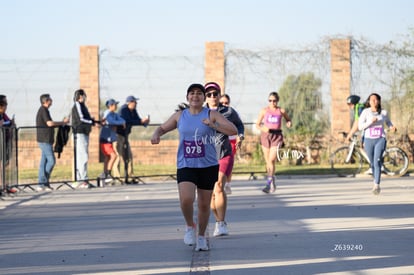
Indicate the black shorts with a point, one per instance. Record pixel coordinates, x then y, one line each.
203 178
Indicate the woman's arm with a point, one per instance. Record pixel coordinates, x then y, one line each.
287 118
259 120
388 121
166 127
219 123
363 121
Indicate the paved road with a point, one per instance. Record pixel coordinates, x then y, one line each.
311 225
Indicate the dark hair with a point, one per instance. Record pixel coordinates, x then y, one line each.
227 97
181 107
2 99
44 98
379 103
196 86
275 94
78 94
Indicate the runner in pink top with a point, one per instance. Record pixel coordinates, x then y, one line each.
269 123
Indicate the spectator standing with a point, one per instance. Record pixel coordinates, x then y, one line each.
269 123
197 164
224 155
7 135
130 114
108 136
45 135
82 123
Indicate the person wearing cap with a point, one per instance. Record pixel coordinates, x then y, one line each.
110 121
130 114
197 164
82 123
224 155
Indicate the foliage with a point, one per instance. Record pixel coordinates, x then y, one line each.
300 96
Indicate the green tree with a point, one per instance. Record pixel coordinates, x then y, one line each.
301 97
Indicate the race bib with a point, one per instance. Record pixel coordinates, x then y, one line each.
273 119
194 149
375 132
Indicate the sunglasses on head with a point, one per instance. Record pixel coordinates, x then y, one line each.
215 94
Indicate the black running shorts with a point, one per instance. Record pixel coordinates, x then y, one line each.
203 178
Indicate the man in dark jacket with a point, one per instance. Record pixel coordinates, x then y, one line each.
129 113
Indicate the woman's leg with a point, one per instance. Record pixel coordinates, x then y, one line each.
379 149
204 199
186 192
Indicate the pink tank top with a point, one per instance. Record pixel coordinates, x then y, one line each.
273 119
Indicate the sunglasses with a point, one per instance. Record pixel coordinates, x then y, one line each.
215 94
272 100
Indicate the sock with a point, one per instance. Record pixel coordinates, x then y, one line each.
269 180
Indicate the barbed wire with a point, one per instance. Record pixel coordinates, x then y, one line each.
161 81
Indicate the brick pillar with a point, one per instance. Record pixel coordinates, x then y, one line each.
214 63
340 84
89 82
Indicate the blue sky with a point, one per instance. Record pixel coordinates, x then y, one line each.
53 28
50 29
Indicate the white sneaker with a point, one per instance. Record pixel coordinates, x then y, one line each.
40 188
189 236
201 244
220 229
227 188
376 189
368 172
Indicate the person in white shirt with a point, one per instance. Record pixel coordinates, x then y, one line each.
371 121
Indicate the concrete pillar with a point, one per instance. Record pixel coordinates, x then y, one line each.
89 82
214 63
340 85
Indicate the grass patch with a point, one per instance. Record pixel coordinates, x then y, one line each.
65 172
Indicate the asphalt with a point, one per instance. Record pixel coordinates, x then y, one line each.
310 225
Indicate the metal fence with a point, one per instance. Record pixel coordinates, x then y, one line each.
8 159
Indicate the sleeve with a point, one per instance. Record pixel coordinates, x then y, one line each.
80 114
235 118
46 116
113 118
131 118
363 121
386 118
